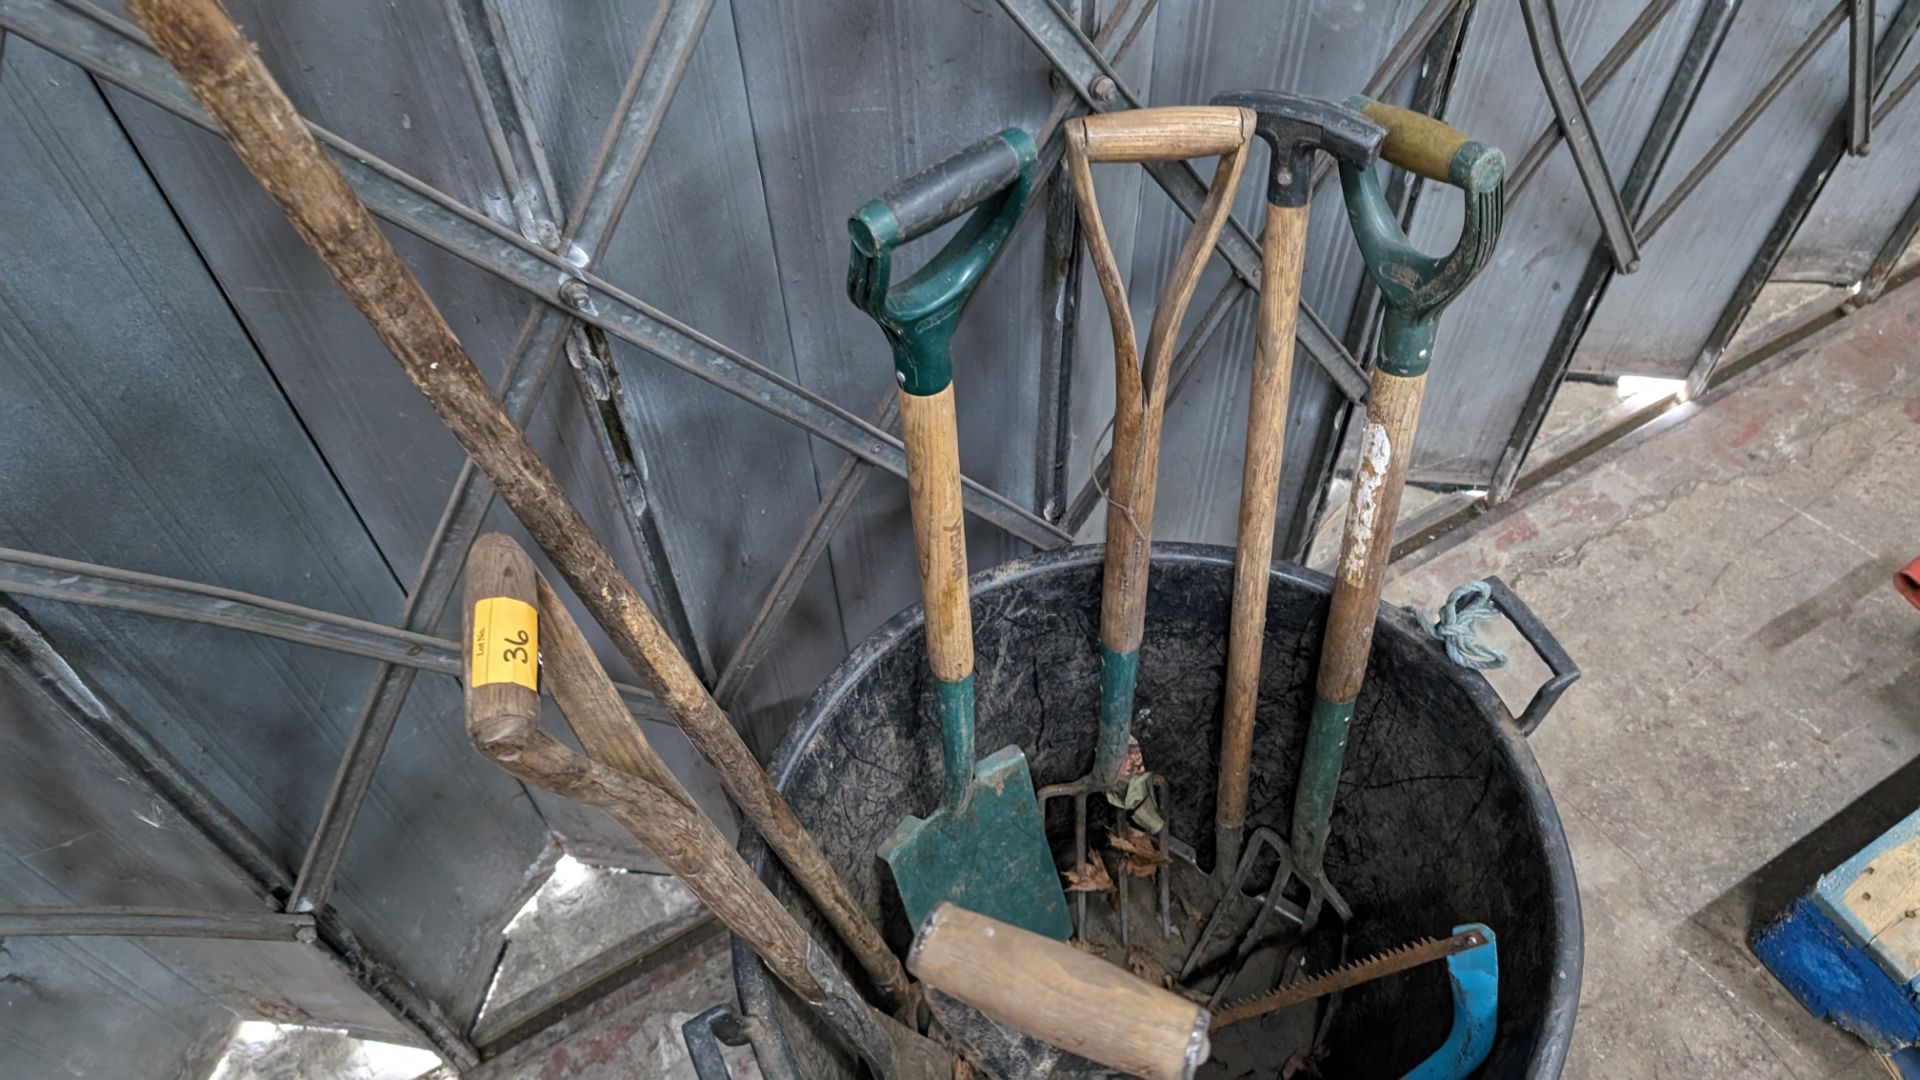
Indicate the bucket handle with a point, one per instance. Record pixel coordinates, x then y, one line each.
705 1033
1544 645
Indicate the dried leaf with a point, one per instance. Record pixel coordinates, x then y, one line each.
1146 968
1138 856
1093 879
1086 946
1303 1062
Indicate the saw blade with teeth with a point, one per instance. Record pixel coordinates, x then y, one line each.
1411 955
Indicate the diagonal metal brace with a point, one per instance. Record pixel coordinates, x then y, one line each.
116 51
1563 92
1098 83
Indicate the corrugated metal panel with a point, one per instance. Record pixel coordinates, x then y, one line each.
1863 200
75 828
1655 322
1493 340
846 97
144 431
735 485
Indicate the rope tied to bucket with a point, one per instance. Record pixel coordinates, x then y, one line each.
1466 607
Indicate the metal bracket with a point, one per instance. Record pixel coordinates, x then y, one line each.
1563 91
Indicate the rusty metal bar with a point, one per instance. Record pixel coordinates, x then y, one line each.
1860 80
68 581
1768 92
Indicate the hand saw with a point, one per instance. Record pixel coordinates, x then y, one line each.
1411 955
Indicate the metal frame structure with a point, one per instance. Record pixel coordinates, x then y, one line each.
551 254
1806 191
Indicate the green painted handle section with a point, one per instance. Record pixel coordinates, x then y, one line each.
918 315
1320 767
1415 286
1118 672
954 700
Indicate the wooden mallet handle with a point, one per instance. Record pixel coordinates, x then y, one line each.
1060 995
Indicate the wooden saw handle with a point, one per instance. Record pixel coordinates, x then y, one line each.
1060 995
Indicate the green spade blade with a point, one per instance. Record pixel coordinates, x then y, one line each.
988 855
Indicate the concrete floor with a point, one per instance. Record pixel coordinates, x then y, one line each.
1751 697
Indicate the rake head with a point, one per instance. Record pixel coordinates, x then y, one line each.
1293 893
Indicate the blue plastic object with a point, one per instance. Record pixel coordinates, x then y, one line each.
1475 979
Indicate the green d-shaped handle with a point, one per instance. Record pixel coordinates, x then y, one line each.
918 315
1416 286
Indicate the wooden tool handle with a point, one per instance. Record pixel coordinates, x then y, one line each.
1140 386
1167 133
503 720
939 531
1060 995
227 75
1386 446
588 699
1417 142
1282 261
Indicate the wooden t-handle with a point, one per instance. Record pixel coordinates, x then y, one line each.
1167 133
1417 142
1060 995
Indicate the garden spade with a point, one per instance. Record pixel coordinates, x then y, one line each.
985 846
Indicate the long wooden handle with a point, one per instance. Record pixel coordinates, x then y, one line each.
1140 388
226 74
1282 262
587 697
503 720
939 530
1167 133
1386 447
1417 142
1060 995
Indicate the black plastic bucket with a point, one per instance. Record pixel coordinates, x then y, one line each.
1443 816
